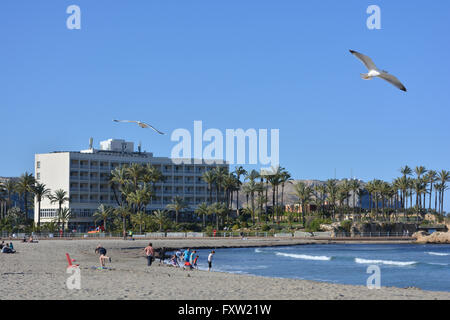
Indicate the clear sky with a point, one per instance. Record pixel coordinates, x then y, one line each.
232 64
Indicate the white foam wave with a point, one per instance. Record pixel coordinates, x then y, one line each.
303 256
438 264
258 250
386 262
438 253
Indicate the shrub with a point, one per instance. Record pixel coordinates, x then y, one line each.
346 225
265 227
235 227
313 225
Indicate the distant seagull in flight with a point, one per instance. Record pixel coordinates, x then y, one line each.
141 124
375 72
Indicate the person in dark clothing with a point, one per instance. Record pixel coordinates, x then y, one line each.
102 251
162 254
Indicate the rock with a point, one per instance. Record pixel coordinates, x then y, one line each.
436 237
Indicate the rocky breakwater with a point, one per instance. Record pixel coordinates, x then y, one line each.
436 237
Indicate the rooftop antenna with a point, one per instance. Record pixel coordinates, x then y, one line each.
335 173
91 143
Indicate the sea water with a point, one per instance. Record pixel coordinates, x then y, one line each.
402 265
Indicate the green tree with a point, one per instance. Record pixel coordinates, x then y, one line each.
60 197
103 213
178 204
160 217
40 191
24 187
304 197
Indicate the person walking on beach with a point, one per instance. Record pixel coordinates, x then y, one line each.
103 257
186 255
192 257
210 258
149 251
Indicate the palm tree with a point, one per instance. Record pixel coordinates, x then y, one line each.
59 196
160 217
202 209
431 178
220 174
118 179
63 216
355 186
103 213
152 175
210 179
178 204
419 170
140 198
332 190
217 208
9 187
40 191
251 188
25 187
285 177
303 194
135 172
320 194
444 177
123 212
239 171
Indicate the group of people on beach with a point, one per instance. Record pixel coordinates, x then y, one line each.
7 247
187 257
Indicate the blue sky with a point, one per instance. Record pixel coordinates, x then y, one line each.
232 64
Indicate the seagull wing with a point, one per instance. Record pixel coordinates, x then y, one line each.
392 79
125 121
146 125
365 59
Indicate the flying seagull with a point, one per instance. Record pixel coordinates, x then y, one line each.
141 124
375 72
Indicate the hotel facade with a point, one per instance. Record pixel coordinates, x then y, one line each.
85 174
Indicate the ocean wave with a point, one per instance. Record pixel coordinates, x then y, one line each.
438 253
303 256
258 250
387 262
437 264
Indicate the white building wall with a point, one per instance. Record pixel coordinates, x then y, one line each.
85 176
52 169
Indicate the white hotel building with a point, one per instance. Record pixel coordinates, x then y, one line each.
85 177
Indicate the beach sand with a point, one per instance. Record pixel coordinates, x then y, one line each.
38 271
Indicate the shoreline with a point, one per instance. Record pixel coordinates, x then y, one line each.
38 272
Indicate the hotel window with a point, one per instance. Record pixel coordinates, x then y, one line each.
38 164
38 176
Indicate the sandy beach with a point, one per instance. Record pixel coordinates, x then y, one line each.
38 271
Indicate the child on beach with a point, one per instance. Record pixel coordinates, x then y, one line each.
102 251
174 261
194 264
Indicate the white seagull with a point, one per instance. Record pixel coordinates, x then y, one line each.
375 72
141 124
